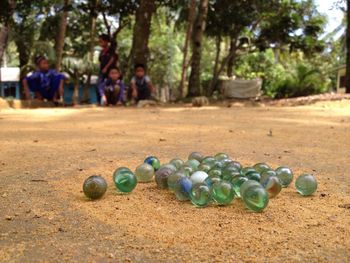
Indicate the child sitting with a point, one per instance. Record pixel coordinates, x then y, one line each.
45 83
141 85
112 89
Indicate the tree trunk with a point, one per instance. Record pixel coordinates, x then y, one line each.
347 78
191 16
142 30
231 61
61 35
92 22
230 56
198 32
216 65
4 31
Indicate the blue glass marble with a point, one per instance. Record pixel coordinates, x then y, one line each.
182 189
153 161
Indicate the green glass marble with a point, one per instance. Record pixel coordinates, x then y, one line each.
285 175
226 162
267 174
230 172
209 160
306 184
236 164
253 176
221 156
210 181
237 183
125 181
261 167
178 163
218 165
200 195
204 168
246 170
215 173
119 170
187 169
162 175
94 187
198 177
193 164
173 178
153 161
223 192
182 189
273 186
196 156
256 198
144 173
246 185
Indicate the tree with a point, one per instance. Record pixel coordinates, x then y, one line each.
198 32
5 18
142 30
347 78
59 41
190 20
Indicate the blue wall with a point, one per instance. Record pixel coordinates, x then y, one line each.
12 89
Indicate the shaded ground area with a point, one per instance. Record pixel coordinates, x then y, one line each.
47 153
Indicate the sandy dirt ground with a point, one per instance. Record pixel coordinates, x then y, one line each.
45 155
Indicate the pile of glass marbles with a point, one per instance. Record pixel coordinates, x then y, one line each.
210 180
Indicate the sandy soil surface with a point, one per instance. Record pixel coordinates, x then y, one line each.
46 154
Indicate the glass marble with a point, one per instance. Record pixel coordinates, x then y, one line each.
267 174
223 192
162 175
144 173
236 164
193 164
236 183
261 167
221 156
178 163
246 170
153 161
306 184
171 166
182 189
253 176
94 187
230 172
119 170
218 165
285 175
226 162
209 160
215 173
173 178
125 181
273 186
198 177
187 169
196 156
246 185
200 195
204 168
256 198
210 181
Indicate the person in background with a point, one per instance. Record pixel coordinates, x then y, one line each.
108 57
112 89
45 83
141 84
